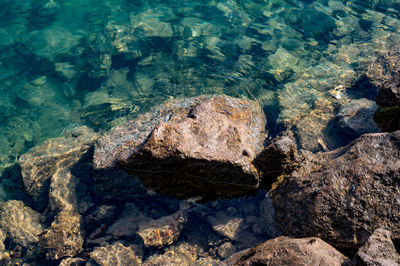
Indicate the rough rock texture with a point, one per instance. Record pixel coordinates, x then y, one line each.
389 93
378 250
343 195
64 237
278 156
163 231
183 254
384 73
357 117
72 262
20 223
185 145
52 172
290 251
117 254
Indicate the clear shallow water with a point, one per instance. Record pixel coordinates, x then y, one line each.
66 63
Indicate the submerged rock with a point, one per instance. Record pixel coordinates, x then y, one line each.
290 251
183 254
48 171
64 237
357 117
378 250
389 92
20 223
203 145
342 195
163 231
117 254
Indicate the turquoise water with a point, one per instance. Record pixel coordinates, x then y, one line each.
66 63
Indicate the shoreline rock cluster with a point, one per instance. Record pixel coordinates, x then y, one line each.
107 200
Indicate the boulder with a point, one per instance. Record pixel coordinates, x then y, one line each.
64 237
20 223
196 146
342 195
378 250
54 171
357 117
117 254
290 251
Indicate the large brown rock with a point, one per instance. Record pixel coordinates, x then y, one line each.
378 250
290 251
53 171
202 145
342 196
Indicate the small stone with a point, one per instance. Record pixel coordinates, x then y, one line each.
64 237
117 254
226 250
227 226
72 262
163 231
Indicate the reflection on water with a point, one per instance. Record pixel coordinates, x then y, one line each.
66 63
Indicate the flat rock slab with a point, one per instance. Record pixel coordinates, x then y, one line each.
342 196
290 251
199 145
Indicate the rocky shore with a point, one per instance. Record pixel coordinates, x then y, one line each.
199 181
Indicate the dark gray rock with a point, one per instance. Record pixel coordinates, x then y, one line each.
342 195
378 250
357 117
389 92
290 251
196 146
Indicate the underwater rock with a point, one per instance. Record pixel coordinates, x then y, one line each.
342 195
202 145
357 117
290 251
117 254
72 262
378 250
20 223
64 237
163 231
279 155
227 226
52 172
127 223
183 254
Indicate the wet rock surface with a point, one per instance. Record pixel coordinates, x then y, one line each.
342 195
53 173
117 254
204 144
64 237
357 117
21 224
290 251
378 250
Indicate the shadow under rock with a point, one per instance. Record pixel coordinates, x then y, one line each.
13 186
